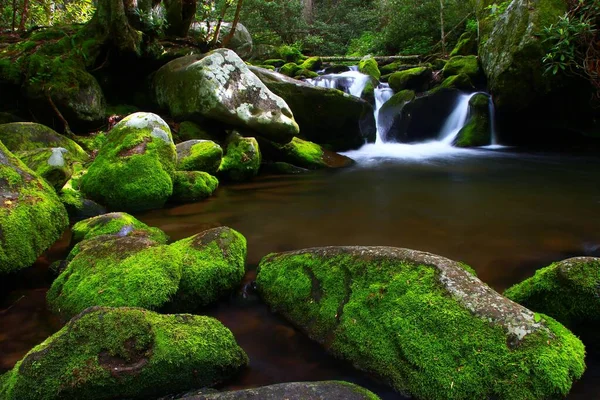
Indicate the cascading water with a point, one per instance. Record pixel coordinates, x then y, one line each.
382 94
351 82
457 119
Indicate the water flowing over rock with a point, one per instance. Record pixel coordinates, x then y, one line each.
32 217
478 128
133 169
107 353
326 116
220 86
421 322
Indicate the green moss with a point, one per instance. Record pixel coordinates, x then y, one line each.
121 110
126 353
119 224
189 130
566 290
368 66
477 131
468 65
413 79
290 54
467 45
274 63
305 73
93 142
190 186
242 158
213 265
460 82
199 155
26 136
132 171
312 64
289 69
116 271
394 319
52 164
392 67
400 98
269 67
31 216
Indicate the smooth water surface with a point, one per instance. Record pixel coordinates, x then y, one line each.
505 214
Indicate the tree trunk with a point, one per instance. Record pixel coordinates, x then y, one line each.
307 11
180 15
111 24
236 19
14 16
442 27
215 38
24 15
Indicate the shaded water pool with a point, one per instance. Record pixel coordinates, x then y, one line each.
504 213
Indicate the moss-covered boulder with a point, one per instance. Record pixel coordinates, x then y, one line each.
325 390
312 64
566 290
190 186
466 45
116 271
242 158
26 136
289 69
328 117
511 53
108 353
417 79
213 265
277 62
478 129
368 66
303 153
422 323
53 164
32 217
219 86
391 111
117 224
393 67
241 41
199 155
459 82
78 207
132 171
305 74
468 65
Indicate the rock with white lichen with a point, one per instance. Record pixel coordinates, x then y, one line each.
219 86
422 323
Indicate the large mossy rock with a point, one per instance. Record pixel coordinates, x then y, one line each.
108 353
213 264
391 111
32 217
118 224
133 169
116 271
478 129
422 323
190 186
199 155
241 41
27 136
219 86
304 154
325 390
511 56
53 164
467 65
567 291
242 158
368 66
422 118
328 117
417 79
466 45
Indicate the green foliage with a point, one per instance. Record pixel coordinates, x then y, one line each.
47 12
369 42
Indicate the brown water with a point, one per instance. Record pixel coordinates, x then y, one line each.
503 213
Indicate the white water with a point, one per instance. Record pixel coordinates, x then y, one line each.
351 82
456 120
382 94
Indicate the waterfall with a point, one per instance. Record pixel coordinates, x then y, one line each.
351 82
456 120
382 94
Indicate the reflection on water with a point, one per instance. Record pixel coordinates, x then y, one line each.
505 214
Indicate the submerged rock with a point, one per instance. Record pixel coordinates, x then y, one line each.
568 291
117 224
219 86
326 390
328 117
242 158
26 136
189 186
133 169
421 322
304 154
32 217
199 155
478 129
108 353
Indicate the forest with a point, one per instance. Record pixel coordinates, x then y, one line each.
299 199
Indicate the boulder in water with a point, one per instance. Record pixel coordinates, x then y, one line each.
468 65
117 224
421 323
32 217
303 153
329 117
417 79
391 112
108 353
133 169
199 155
368 66
219 86
478 129
242 158
190 186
